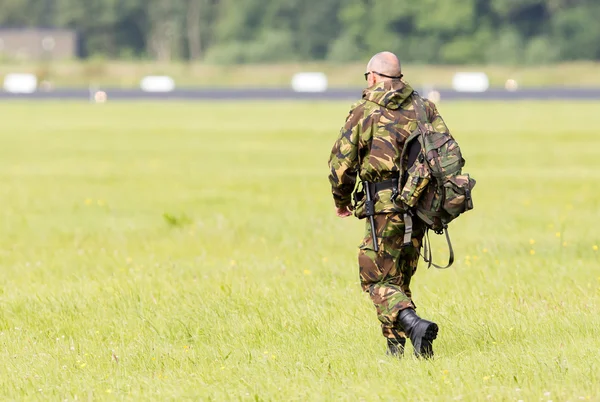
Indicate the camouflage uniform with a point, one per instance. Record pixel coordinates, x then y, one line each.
370 145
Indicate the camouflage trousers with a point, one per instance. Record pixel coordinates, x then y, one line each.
386 275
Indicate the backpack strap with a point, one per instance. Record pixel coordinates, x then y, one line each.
420 111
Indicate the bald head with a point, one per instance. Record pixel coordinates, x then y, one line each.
385 63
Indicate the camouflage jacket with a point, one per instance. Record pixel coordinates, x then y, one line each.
370 143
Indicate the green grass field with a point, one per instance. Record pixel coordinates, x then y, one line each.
189 251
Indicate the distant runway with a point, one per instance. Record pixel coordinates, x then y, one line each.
259 94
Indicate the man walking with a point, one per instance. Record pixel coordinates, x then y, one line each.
369 148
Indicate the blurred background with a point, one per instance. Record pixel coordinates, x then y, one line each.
176 250
115 44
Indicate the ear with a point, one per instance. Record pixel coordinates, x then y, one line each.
372 79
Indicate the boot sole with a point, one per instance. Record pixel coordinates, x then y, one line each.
424 335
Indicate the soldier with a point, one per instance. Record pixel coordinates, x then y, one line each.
370 146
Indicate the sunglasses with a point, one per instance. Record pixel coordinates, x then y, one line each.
382 75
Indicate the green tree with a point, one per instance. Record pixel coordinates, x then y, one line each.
576 30
252 31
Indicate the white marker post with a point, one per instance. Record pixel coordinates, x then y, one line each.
20 83
157 83
309 82
470 82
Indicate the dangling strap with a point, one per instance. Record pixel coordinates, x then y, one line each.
408 229
426 249
427 255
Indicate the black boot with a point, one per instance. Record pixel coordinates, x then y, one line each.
421 332
396 347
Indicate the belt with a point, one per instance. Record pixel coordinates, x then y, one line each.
390 184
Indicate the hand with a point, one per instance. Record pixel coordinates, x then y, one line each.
343 212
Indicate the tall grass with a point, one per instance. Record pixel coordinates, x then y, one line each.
190 252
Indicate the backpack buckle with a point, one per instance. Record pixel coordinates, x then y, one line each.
441 230
469 199
394 189
408 230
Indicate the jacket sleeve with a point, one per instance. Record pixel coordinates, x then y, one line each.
343 162
435 118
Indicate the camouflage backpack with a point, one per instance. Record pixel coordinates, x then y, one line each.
433 186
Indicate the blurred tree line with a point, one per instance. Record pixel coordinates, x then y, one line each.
251 31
